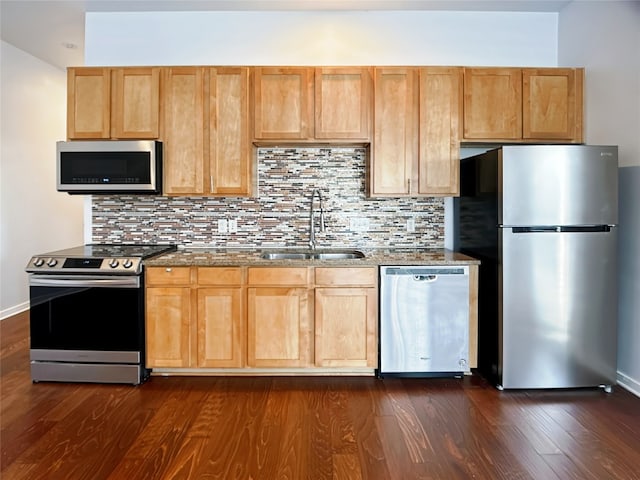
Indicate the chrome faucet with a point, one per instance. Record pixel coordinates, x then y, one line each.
312 230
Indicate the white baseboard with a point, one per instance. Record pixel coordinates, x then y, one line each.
9 312
629 384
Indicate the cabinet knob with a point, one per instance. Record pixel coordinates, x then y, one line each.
167 269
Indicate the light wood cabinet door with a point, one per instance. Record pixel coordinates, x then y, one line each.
279 327
168 327
220 328
343 103
230 164
492 103
206 131
283 99
88 103
395 144
113 103
417 127
552 101
136 103
345 327
439 131
183 148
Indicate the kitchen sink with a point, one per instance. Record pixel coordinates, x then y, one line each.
353 254
313 255
286 255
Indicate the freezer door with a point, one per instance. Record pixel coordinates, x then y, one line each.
424 319
559 309
558 185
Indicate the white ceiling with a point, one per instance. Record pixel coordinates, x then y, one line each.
53 30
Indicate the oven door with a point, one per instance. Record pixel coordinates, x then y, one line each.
87 313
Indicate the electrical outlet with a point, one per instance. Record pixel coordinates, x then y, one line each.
411 224
222 225
233 225
359 224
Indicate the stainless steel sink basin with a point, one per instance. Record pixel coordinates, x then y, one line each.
286 256
317 255
339 255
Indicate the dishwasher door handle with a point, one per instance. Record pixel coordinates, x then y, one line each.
425 278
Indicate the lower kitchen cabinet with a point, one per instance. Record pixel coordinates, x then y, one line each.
168 316
220 328
346 317
345 327
220 321
279 316
168 321
197 324
279 327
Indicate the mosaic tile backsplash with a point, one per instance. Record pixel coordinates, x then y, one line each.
279 215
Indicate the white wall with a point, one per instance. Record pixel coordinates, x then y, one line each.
321 38
604 37
34 217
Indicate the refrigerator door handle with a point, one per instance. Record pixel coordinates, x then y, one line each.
563 229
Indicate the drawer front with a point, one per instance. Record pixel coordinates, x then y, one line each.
168 276
297 276
339 276
219 276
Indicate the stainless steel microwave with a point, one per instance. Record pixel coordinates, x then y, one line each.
109 167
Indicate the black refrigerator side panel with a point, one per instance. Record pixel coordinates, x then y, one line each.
476 235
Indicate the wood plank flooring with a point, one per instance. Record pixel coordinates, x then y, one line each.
307 428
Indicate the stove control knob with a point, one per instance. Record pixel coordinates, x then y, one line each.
52 262
114 263
127 263
38 262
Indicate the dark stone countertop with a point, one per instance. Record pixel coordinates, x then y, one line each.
251 256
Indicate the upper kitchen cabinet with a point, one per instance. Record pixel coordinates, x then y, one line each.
206 131
282 102
230 157
523 104
88 103
439 131
395 144
107 103
552 102
184 130
416 124
492 103
343 103
307 104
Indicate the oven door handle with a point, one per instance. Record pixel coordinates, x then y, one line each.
111 282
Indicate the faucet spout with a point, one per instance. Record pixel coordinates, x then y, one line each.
312 230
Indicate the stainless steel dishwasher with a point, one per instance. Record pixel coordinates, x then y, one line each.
424 320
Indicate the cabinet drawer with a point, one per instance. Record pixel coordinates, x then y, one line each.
168 276
346 276
279 276
219 276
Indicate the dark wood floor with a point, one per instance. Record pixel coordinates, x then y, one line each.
307 428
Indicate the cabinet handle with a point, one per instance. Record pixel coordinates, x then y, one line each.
408 185
211 183
168 270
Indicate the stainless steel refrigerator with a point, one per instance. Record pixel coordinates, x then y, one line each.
542 220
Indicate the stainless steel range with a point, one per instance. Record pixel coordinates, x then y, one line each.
87 313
